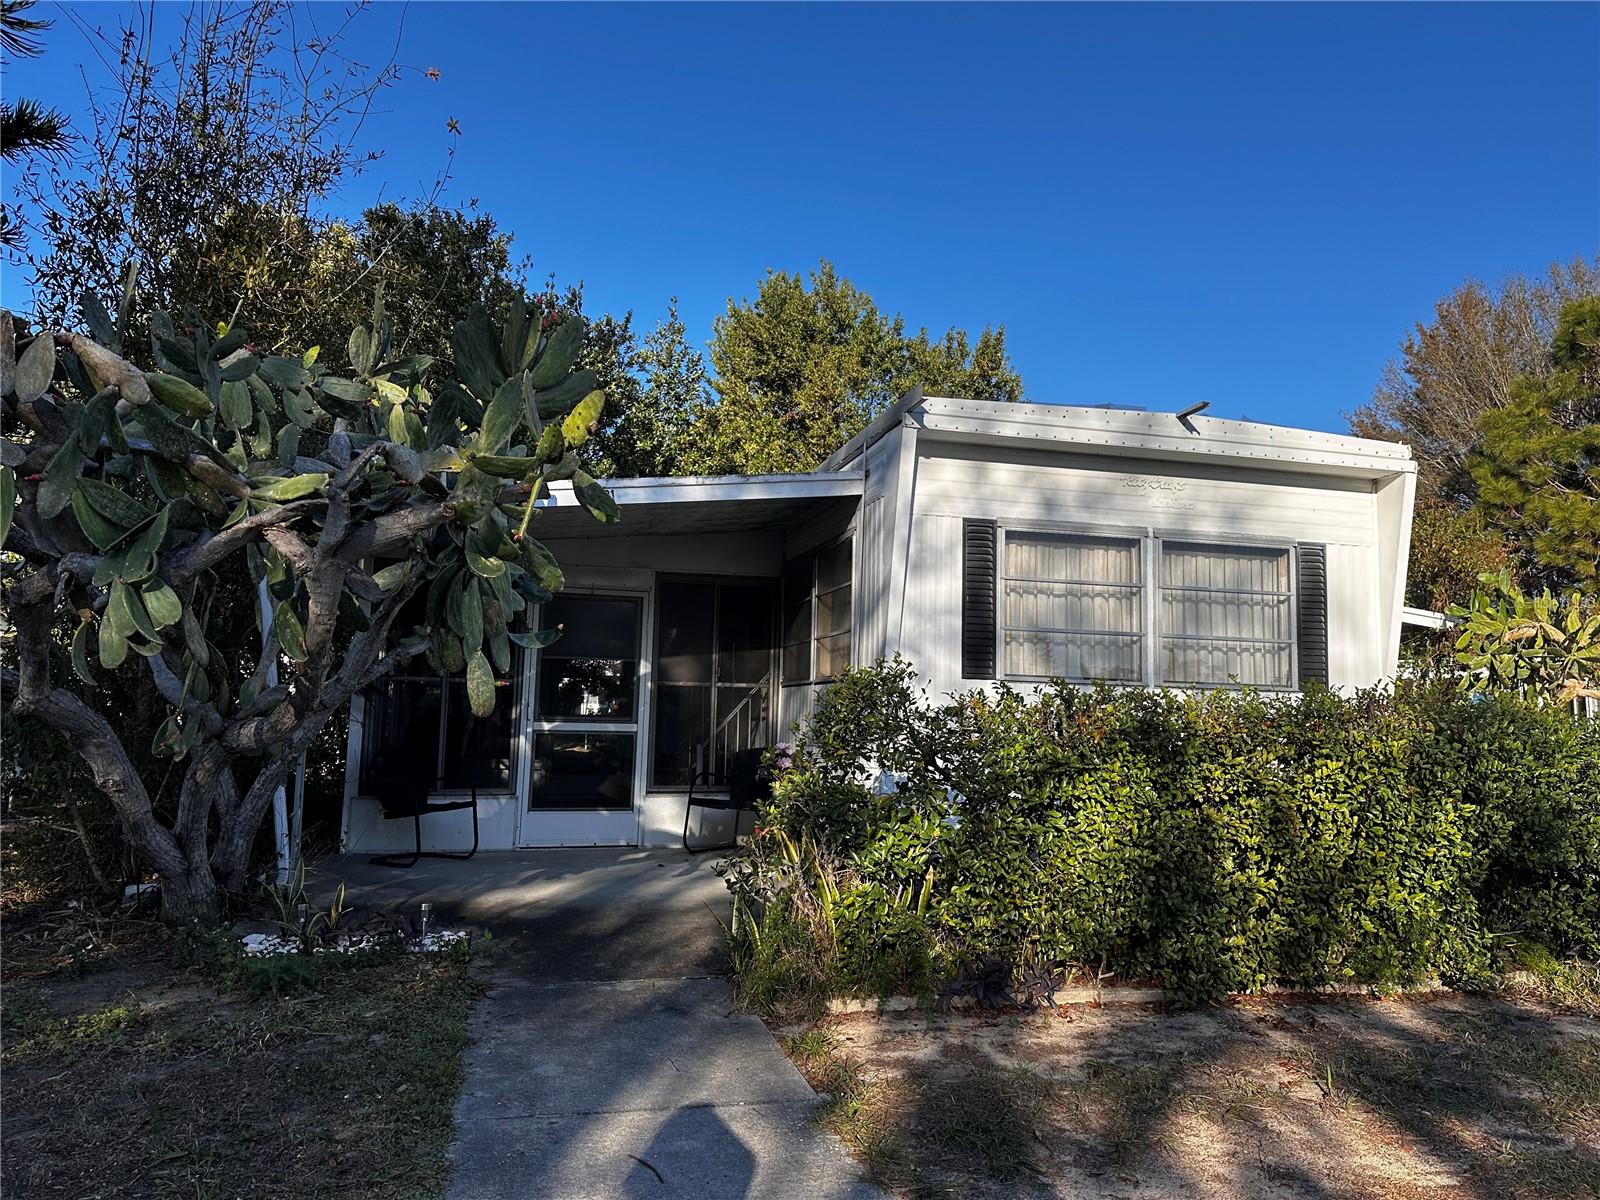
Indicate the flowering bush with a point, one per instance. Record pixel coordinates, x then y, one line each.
1216 842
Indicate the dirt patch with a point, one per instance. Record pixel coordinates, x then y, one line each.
1456 1097
127 1076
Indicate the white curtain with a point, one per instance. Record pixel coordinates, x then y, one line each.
1225 616
1072 607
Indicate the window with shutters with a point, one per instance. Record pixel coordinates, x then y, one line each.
1226 615
1072 607
817 600
1086 607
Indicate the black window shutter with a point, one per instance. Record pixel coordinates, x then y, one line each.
1313 602
978 543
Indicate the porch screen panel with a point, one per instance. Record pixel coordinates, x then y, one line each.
685 628
1227 616
743 671
714 668
400 719
1072 607
417 725
477 750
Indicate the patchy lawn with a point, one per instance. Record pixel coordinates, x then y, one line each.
1469 1097
127 1076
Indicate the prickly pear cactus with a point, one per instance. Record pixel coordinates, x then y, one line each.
124 490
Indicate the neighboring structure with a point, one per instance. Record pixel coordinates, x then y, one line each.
981 541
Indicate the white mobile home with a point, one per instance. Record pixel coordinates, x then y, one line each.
980 541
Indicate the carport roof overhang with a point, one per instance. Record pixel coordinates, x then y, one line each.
700 504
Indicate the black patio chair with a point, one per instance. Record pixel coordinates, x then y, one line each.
748 784
405 794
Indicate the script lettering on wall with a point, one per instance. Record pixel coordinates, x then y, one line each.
1164 492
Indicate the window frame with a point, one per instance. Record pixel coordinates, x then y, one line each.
1137 538
810 559
1151 542
1292 550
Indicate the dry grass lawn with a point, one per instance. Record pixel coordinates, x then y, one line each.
1451 1097
124 1075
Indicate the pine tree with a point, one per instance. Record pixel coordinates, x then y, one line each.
1537 469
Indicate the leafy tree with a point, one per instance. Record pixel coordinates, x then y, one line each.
1537 469
1463 364
1538 646
1451 547
655 409
26 127
206 165
141 510
800 369
432 261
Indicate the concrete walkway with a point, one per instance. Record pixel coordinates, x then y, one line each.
607 1059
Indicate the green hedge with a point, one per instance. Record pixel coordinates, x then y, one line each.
1215 842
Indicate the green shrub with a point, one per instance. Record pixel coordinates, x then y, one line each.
1218 841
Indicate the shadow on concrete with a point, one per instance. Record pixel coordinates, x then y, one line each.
606 1057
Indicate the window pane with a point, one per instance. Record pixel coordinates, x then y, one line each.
797 662
592 670
683 631
1064 557
1232 568
477 751
833 566
1073 607
797 603
400 732
833 654
683 733
833 611
1257 664
582 770
1033 604
1073 656
1225 613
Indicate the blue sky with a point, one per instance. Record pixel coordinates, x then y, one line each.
1248 205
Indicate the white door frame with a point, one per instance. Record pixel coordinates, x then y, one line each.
590 827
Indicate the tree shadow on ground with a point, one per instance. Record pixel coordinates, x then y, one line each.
1471 1097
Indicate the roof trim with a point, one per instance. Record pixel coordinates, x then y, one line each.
1135 433
711 489
880 425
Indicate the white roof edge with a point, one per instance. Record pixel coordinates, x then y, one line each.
713 488
1131 431
1159 434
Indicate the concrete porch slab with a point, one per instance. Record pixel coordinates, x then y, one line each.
598 914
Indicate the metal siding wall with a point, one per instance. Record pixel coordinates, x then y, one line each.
1096 493
931 638
872 582
1355 639
1139 492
